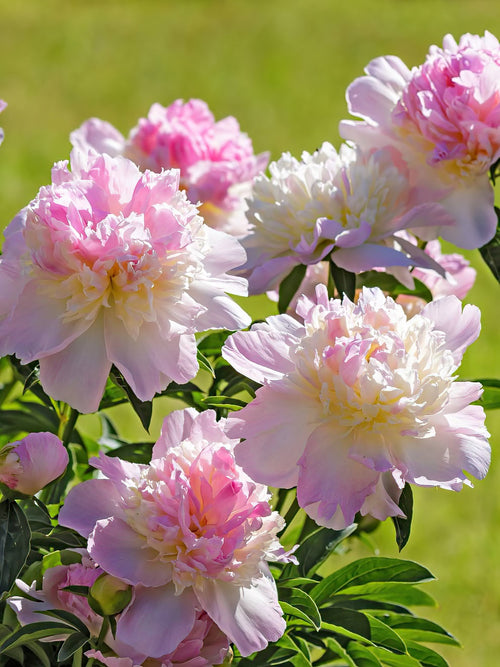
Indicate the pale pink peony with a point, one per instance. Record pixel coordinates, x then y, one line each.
52 595
29 464
357 401
350 204
205 646
444 117
115 267
190 531
216 160
2 107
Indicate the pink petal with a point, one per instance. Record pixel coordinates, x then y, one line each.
250 616
124 553
157 620
88 502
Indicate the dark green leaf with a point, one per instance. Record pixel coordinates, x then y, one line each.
42 659
21 421
289 287
409 622
393 659
369 569
318 546
425 636
28 374
491 251
390 284
15 537
143 409
490 398
68 618
227 402
34 631
402 525
210 345
425 655
337 649
301 602
353 624
37 515
345 281
137 452
394 592
362 656
71 645
383 635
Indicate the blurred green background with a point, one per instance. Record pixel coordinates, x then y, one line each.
281 67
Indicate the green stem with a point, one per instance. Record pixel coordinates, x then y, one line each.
103 632
67 423
77 658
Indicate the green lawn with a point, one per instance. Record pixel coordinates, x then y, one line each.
281 67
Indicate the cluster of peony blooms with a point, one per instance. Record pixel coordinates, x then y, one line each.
132 250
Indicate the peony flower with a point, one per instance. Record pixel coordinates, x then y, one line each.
351 203
191 532
115 267
444 117
458 279
2 107
357 401
216 159
205 646
53 595
29 464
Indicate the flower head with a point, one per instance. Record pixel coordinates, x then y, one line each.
215 159
53 595
357 401
190 531
116 267
205 646
351 203
31 463
444 116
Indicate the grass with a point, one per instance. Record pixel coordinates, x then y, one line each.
281 67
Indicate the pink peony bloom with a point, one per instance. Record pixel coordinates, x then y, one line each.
115 267
53 595
352 203
2 107
190 531
444 117
216 159
29 464
357 401
205 646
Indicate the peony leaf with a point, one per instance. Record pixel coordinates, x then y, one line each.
403 524
289 287
345 281
15 539
71 645
34 631
369 569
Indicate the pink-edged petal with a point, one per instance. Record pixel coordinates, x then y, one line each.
124 553
368 256
221 311
249 615
99 135
329 477
460 327
88 502
263 354
268 275
48 336
43 458
157 620
77 374
474 214
188 423
461 394
151 362
273 445
383 502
